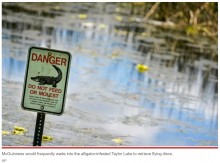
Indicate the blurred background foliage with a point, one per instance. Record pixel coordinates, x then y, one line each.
200 18
192 18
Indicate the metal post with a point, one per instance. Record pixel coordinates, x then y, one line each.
39 127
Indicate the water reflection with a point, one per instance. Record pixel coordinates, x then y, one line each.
175 103
12 69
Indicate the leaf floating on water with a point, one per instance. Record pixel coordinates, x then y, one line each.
20 129
115 55
142 68
82 16
102 26
15 132
57 7
118 140
47 138
118 18
5 133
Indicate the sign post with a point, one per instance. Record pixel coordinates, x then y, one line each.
45 85
39 127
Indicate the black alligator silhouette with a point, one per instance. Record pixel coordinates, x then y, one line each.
49 80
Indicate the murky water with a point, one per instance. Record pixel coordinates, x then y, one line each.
172 104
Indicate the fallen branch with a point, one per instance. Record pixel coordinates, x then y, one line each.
153 8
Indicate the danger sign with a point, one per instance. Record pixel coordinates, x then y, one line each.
46 80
